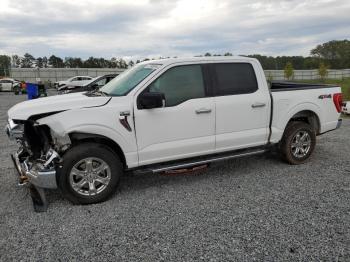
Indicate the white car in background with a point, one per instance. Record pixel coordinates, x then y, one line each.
7 84
346 108
73 81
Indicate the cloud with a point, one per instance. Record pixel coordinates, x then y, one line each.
154 28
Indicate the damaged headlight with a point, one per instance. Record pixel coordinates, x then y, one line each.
13 130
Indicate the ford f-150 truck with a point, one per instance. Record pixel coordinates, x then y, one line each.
166 115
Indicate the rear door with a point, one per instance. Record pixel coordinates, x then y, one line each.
242 108
185 126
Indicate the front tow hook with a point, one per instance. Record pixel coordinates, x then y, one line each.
23 181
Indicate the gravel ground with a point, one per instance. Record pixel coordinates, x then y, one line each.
256 208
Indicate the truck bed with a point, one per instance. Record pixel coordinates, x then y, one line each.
277 86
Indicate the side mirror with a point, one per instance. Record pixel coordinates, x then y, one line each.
149 100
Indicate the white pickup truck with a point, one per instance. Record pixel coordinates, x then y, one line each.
166 115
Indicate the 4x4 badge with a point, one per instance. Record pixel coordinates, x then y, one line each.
325 96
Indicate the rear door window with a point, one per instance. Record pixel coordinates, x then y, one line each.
234 79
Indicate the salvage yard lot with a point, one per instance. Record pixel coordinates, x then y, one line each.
245 209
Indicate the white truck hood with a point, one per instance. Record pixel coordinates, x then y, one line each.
26 109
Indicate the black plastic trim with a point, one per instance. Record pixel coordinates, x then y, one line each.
203 158
292 86
39 116
271 118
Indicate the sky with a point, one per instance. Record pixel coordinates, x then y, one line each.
153 28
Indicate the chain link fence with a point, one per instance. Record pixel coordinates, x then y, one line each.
308 74
51 75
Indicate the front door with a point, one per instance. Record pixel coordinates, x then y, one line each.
185 126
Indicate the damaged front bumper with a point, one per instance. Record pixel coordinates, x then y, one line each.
35 163
39 172
43 178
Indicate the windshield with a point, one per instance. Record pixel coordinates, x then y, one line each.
125 82
92 80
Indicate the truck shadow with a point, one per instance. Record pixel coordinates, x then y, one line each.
133 183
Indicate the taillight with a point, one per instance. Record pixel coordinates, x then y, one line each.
338 101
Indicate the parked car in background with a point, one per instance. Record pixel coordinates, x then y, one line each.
93 84
21 88
76 80
8 84
346 108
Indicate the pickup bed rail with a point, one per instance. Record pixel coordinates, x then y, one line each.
277 86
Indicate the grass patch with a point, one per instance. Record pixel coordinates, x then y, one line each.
343 83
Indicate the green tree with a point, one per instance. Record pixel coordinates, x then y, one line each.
336 53
91 62
16 61
45 62
131 63
55 61
289 71
39 62
323 71
5 65
28 60
73 62
270 77
122 63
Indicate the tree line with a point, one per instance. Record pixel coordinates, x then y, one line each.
29 61
333 54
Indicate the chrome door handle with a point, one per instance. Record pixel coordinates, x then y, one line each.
203 111
258 105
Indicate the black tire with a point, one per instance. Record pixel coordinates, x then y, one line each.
87 151
288 140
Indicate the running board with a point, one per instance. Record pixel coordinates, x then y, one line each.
201 161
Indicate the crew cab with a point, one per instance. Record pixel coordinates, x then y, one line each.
166 115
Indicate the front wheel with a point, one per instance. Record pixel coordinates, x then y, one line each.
298 142
89 174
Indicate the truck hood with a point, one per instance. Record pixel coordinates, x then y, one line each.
26 109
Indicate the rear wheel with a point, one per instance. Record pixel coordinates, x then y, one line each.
298 142
89 174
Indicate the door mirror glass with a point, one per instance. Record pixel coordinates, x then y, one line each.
149 100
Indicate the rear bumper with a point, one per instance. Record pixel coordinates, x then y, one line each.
40 178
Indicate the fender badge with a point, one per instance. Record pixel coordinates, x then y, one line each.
325 96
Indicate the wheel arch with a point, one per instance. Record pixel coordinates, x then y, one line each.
78 137
309 117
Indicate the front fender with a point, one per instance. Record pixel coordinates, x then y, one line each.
103 131
92 121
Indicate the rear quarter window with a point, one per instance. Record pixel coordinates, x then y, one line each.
234 79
